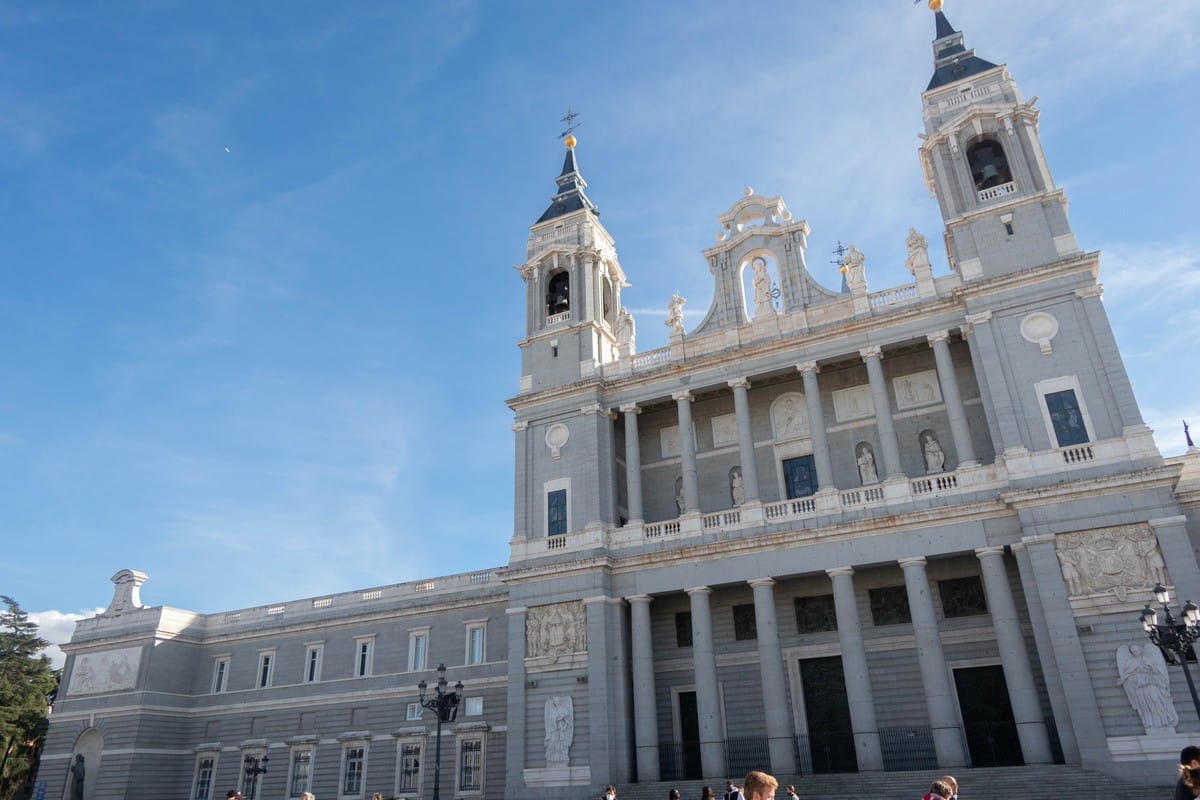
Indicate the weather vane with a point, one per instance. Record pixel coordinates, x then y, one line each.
570 120
840 251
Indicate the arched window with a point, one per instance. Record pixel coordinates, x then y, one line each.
989 165
558 294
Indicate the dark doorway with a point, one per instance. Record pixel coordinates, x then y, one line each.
689 725
800 476
830 736
988 717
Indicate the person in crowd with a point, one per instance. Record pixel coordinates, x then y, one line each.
1188 785
759 786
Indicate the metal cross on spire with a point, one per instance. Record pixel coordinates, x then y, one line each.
840 251
570 120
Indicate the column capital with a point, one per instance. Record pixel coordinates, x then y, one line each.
808 366
602 600
739 383
966 329
838 572
1041 538
756 582
639 598
1091 291
919 561
1166 522
630 408
980 318
704 590
595 408
516 610
871 352
681 396
520 426
938 336
986 552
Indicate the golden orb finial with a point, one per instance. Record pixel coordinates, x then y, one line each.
570 142
935 5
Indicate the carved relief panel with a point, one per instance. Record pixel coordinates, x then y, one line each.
1111 560
108 671
853 403
556 631
918 389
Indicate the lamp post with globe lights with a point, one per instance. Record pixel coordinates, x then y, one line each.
445 705
1173 636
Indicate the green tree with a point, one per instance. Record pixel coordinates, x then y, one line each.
26 681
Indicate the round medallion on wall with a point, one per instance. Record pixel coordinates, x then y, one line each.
556 438
1039 328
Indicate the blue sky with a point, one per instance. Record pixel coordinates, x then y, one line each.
258 313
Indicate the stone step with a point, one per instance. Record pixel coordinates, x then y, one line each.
1041 782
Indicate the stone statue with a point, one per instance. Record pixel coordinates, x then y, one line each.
737 486
679 494
866 465
560 730
626 330
935 459
918 253
763 302
1143 673
78 774
855 270
675 314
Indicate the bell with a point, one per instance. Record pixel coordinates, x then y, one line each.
989 176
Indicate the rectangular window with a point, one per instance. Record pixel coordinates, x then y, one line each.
417 644
312 663
470 765
414 711
474 706
962 597
1067 418
410 766
889 605
352 770
800 476
364 656
556 512
204 776
301 770
815 614
683 629
220 674
476 633
745 626
266 663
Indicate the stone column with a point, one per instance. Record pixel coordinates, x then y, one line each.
986 360
888 442
687 452
964 450
514 781
645 702
935 677
633 465
741 408
854 666
708 699
816 426
781 738
1018 674
1106 343
607 688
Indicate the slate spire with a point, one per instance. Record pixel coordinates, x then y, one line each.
952 61
570 196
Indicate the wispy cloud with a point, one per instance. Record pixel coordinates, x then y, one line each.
57 627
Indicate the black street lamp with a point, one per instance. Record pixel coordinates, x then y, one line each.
1174 636
445 705
254 766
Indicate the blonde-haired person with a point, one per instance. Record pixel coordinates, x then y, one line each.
759 786
307 796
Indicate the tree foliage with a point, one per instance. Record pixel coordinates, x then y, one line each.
26 683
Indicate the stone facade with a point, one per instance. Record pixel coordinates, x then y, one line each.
850 530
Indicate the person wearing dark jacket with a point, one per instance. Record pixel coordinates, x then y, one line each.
1188 785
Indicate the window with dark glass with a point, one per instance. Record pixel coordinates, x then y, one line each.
962 597
1066 418
301 769
800 476
470 776
889 605
815 614
352 772
204 775
410 765
683 629
556 512
744 626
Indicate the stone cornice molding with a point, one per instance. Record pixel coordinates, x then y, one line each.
1090 291
516 610
1167 522
1038 538
520 426
639 598
987 552
980 318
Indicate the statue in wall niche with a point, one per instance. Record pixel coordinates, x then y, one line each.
737 486
935 459
918 253
560 730
1143 673
679 494
78 774
675 314
626 329
763 301
867 473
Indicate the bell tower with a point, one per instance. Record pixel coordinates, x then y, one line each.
573 284
983 161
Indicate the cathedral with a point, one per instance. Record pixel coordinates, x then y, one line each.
822 530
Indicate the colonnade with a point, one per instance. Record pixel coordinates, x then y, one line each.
889 443
777 716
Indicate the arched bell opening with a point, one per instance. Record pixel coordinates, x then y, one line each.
989 164
558 294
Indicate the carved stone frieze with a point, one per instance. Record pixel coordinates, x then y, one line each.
1111 560
556 630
